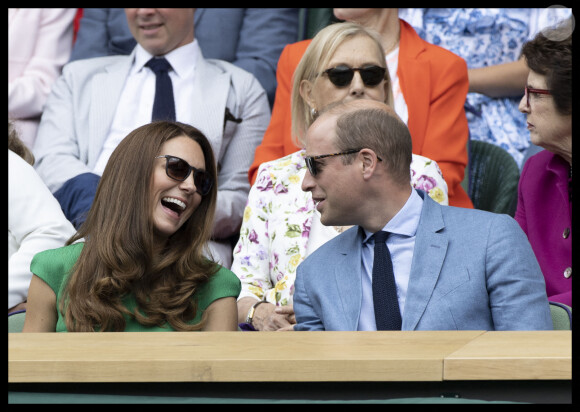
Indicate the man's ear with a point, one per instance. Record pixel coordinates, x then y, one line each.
369 162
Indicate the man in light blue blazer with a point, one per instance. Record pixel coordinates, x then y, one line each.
250 38
97 102
455 268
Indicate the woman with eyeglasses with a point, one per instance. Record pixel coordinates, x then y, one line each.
281 226
429 86
139 263
544 209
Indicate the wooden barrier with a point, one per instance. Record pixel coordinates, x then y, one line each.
289 356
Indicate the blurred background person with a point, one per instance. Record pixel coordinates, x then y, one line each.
250 38
39 44
35 220
490 40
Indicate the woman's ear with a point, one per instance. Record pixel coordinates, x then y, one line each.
306 93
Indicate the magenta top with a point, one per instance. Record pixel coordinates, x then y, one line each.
545 213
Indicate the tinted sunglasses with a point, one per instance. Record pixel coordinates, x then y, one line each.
312 164
179 169
342 76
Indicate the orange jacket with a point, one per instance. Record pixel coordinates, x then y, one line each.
434 82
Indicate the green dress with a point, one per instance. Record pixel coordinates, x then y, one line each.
53 266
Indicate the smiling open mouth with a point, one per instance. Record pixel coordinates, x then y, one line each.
174 204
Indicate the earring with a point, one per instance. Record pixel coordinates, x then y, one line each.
313 112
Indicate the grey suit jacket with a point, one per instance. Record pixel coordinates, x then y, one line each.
471 270
81 107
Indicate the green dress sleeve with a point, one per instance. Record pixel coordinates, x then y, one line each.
54 265
223 284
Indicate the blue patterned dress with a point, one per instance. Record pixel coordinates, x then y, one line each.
486 37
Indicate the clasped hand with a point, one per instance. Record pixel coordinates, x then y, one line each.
275 318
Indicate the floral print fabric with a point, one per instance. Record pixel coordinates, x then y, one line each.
277 220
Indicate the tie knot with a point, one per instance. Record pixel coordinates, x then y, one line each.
381 236
158 65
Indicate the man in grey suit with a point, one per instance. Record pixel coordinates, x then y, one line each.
454 268
97 102
250 38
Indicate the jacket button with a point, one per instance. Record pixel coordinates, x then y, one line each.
568 273
566 233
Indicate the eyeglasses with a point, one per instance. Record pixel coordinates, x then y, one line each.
528 90
178 169
341 76
312 164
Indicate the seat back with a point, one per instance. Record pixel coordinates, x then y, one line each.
561 316
312 20
16 322
493 178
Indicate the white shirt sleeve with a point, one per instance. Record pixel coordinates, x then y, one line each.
35 223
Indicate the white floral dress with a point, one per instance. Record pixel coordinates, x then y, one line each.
277 220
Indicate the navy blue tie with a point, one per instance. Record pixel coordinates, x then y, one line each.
164 105
387 312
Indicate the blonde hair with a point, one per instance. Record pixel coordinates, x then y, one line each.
317 56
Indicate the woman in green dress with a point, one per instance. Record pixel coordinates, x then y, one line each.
140 261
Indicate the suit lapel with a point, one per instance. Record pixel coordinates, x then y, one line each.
428 256
209 103
348 276
107 87
414 81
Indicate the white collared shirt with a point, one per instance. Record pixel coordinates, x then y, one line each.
136 102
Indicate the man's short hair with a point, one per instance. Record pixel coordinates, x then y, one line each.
380 131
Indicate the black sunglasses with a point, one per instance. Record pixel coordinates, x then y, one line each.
179 169
312 164
341 76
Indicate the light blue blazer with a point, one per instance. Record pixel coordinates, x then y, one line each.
82 105
471 270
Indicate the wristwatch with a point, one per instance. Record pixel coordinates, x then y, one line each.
252 310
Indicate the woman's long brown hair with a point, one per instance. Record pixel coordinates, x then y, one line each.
118 255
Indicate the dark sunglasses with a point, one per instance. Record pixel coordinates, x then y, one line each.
312 164
179 169
341 76
528 90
